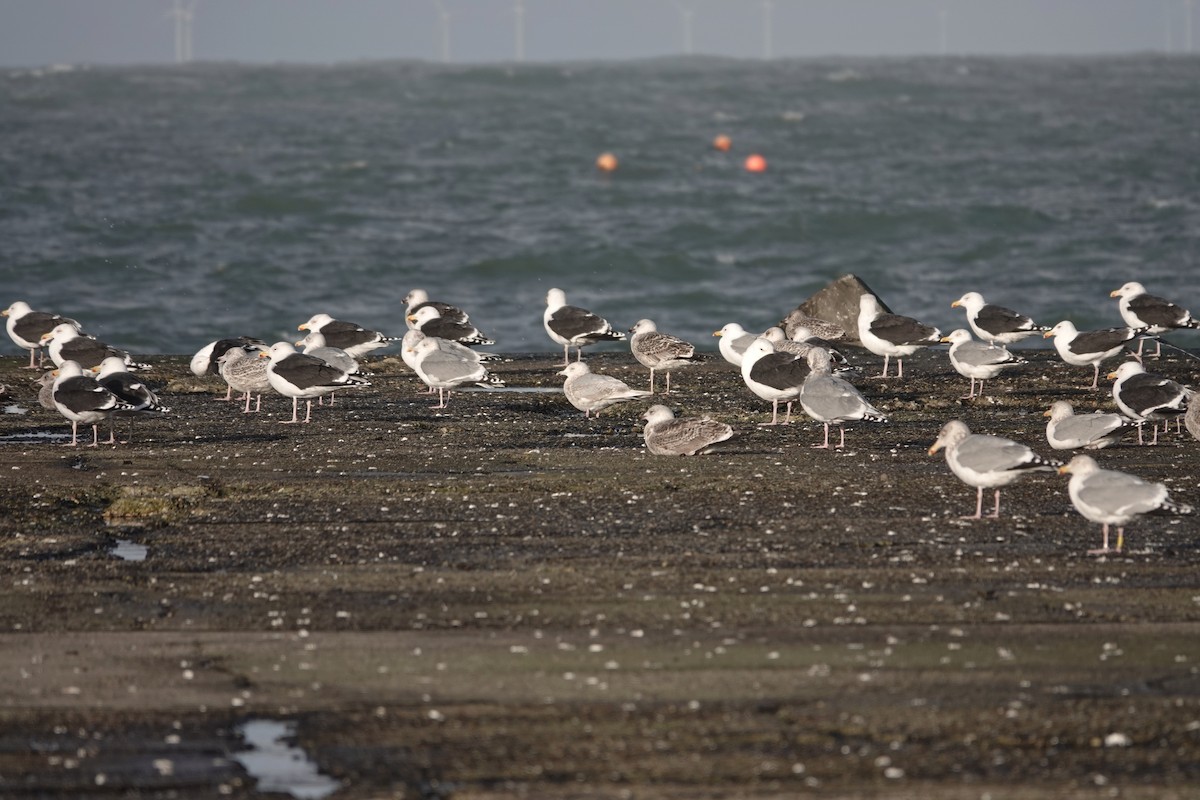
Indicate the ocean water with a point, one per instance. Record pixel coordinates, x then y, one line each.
168 206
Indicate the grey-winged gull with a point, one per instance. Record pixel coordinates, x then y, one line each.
986 461
803 340
80 398
447 370
1141 309
298 376
245 372
976 360
1110 497
349 336
45 384
832 400
66 343
113 375
996 324
408 350
429 321
660 351
892 335
734 341
1067 430
668 435
591 392
572 326
775 377
1145 397
417 299
26 328
1090 348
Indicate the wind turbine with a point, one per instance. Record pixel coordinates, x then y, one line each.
519 13
443 29
686 13
768 36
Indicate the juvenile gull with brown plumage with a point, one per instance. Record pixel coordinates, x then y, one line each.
660 351
668 435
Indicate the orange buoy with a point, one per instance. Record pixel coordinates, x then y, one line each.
723 143
606 162
756 163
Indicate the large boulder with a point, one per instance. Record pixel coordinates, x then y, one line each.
837 303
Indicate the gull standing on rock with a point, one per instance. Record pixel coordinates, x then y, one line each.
662 351
774 376
832 400
245 372
576 327
298 376
890 335
1090 348
349 336
987 461
1140 309
446 370
977 360
26 328
667 435
80 398
996 324
590 392
734 341
1145 397
1110 497
1067 430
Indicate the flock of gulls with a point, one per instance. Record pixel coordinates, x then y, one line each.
798 361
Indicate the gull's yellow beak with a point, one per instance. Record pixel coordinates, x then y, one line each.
1064 469
716 333
955 304
1047 334
1112 376
944 339
303 327
1114 293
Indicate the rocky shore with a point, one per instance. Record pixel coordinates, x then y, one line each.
505 599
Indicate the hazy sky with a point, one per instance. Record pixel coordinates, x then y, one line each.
39 32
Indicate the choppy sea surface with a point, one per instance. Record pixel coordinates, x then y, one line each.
168 206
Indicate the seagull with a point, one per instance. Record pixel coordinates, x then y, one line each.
297 376
1142 310
446 370
821 328
314 344
806 339
976 360
890 335
418 298
245 372
1143 396
26 328
112 375
349 336
1067 430
207 360
996 324
576 327
429 321
414 337
662 351
832 400
1083 348
774 376
987 461
590 392
1114 498
734 341
66 343
667 435
80 398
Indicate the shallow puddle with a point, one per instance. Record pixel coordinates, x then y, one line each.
126 550
34 436
278 766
